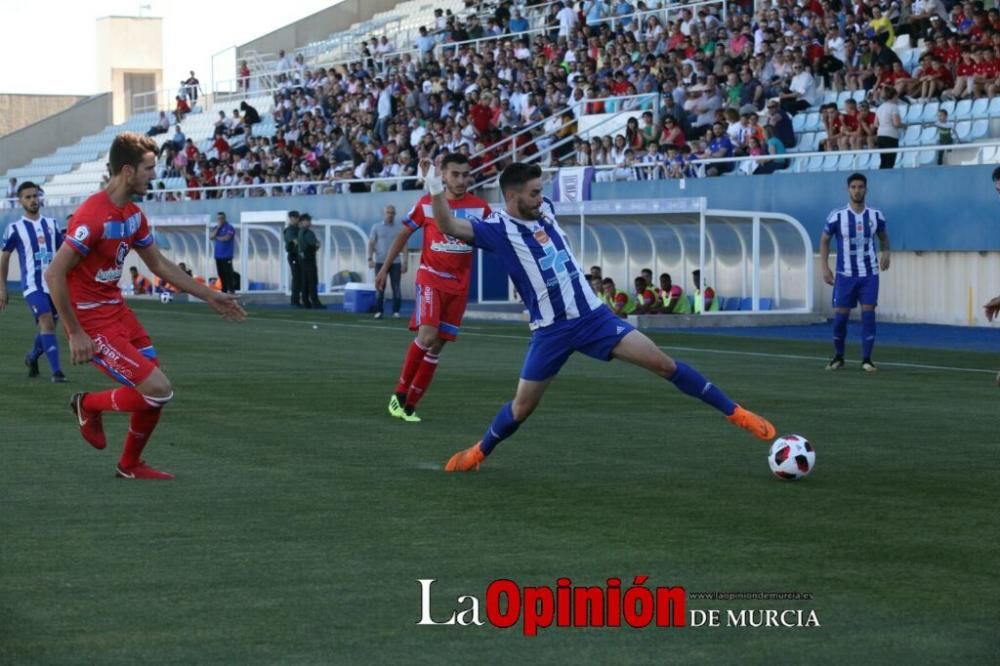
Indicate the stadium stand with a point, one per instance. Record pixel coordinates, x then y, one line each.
539 81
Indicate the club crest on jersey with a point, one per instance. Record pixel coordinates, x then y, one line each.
120 254
541 236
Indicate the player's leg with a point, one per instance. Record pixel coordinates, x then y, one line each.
869 301
546 355
36 303
50 344
425 319
844 299
452 308
505 423
639 350
125 353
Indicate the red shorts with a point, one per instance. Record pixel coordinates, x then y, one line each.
123 350
440 309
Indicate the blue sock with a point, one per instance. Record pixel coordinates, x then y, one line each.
839 331
503 426
51 346
37 349
688 380
867 333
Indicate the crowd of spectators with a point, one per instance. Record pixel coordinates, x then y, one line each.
701 85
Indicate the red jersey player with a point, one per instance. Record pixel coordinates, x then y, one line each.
442 284
83 278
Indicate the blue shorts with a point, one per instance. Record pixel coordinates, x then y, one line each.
41 303
595 335
849 291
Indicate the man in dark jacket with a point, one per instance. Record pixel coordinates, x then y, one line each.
308 246
291 236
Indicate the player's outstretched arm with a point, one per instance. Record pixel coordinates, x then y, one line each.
81 347
445 221
992 310
398 243
226 305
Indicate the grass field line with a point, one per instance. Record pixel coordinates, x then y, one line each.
701 350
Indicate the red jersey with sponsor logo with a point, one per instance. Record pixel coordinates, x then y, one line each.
103 234
445 261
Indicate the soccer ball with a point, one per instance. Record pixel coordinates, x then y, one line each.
166 297
791 457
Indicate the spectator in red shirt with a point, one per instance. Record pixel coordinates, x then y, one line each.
850 135
866 119
181 109
480 113
965 73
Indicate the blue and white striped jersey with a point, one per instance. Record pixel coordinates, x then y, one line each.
36 243
537 258
855 234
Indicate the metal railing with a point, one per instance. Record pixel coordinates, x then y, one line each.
395 183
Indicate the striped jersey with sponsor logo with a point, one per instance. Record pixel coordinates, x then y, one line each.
103 235
536 255
445 261
855 234
35 242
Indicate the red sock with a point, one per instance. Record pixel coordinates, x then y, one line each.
140 427
425 373
414 355
122 399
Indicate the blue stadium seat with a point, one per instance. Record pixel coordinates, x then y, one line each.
766 304
843 97
731 304
987 155
949 107
806 144
994 109
980 130
930 112
830 162
963 110
799 122
913 113
815 163
812 122
830 97
746 304
911 137
929 136
981 108
859 95
963 128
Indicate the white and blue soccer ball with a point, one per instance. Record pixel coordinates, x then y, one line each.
166 297
791 457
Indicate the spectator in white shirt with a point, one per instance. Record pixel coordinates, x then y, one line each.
567 20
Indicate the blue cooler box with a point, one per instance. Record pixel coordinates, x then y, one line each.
359 297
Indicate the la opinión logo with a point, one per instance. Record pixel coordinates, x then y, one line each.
566 605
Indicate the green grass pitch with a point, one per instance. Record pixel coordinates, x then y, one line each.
303 516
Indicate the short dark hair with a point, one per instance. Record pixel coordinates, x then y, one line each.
606 281
453 158
517 174
293 213
857 176
128 149
305 216
221 213
24 186
996 174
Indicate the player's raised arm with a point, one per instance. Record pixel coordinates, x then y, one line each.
81 347
445 221
225 304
